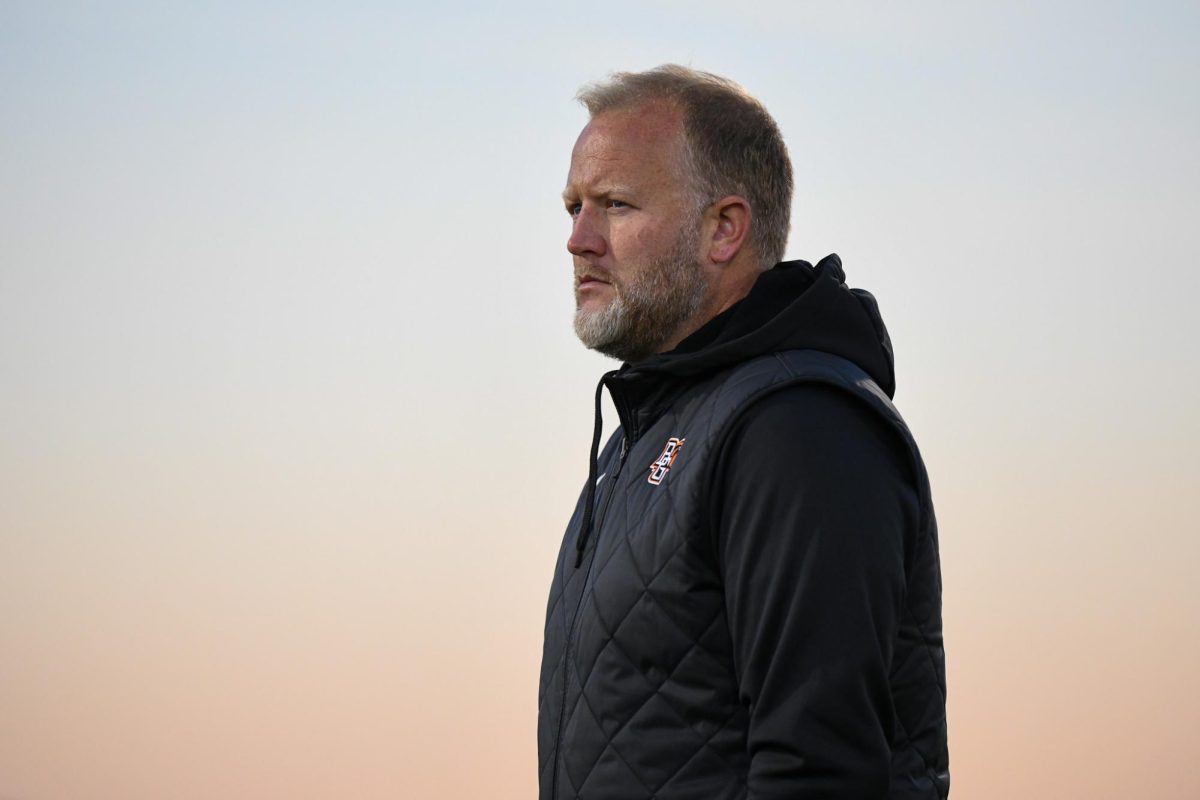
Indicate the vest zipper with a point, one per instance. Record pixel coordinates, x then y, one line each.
598 523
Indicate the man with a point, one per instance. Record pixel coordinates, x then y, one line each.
747 603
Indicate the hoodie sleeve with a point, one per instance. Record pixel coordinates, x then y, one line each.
813 503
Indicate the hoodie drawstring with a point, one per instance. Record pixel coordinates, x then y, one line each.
589 503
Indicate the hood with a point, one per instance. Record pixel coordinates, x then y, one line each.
793 306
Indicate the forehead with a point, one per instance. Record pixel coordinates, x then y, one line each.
642 144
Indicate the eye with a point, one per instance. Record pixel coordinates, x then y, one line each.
617 204
574 208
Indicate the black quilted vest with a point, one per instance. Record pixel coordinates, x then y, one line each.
638 696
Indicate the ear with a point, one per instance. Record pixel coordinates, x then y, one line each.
729 221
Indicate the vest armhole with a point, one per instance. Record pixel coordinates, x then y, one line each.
721 443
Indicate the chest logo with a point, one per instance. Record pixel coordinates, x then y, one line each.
662 464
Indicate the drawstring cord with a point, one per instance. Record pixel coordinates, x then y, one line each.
589 503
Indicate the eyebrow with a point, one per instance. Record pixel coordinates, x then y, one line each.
603 192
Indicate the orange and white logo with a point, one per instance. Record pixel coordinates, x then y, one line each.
662 464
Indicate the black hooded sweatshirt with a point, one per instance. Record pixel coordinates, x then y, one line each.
813 542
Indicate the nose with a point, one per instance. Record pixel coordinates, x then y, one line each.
586 236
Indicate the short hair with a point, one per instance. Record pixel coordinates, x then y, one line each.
732 144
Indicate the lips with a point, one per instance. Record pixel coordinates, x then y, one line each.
589 279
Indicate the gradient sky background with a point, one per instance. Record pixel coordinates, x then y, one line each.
291 413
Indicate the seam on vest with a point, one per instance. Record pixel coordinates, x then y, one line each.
925 640
930 770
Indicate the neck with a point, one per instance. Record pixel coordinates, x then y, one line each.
736 284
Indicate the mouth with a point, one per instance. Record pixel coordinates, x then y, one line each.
589 280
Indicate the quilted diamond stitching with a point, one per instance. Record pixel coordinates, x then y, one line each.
609 746
707 743
613 643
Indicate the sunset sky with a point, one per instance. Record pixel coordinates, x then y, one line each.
292 415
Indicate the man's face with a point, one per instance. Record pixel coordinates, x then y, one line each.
635 234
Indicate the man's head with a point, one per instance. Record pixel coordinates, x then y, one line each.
680 193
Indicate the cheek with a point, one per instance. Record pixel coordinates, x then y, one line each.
637 243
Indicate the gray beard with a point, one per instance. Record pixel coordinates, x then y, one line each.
647 311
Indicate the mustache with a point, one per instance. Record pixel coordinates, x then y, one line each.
589 272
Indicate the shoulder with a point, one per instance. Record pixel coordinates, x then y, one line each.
813 451
813 465
805 425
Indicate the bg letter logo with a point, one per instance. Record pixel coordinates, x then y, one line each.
662 465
